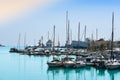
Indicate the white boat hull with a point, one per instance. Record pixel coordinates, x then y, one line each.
79 64
112 66
54 64
68 64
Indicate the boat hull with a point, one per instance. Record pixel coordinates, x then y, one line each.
54 64
79 64
68 64
112 66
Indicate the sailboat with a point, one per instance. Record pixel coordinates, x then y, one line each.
56 62
112 63
68 62
16 50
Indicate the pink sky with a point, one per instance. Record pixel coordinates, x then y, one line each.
9 8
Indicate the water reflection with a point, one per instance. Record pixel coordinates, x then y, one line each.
24 67
100 72
87 73
112 74
70 73
54 73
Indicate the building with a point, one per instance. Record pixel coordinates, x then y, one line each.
49 43
79 44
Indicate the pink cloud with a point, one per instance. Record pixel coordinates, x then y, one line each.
9 8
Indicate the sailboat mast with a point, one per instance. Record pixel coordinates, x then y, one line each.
78 34
79 31
53 36
71 35
85 34
48 35
19 41
42 40
58 41
25 41
112 36
68 32
66 27
96 34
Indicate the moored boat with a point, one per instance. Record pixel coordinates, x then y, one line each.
55 62
68 62
112 64
13 50
79 64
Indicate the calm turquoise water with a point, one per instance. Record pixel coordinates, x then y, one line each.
23 67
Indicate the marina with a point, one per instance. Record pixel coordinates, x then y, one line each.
25 67
105 57
59 40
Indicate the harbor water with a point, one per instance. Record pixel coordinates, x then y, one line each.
14 66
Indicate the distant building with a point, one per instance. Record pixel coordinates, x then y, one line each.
40 44
79 44
117 44
49 43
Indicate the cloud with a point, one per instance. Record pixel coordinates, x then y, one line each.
9 8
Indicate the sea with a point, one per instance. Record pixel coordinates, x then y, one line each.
14 66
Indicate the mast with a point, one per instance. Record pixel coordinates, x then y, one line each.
71 35
48 35
53 36
78 34
66 27
85 34
79 31
92 41
112 56
19 41
68 32
25 40
96 34
58 41
42 41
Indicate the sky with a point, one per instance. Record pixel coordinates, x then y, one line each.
36 18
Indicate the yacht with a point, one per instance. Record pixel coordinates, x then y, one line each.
112 64
55 62
68 62
79 64
13 50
